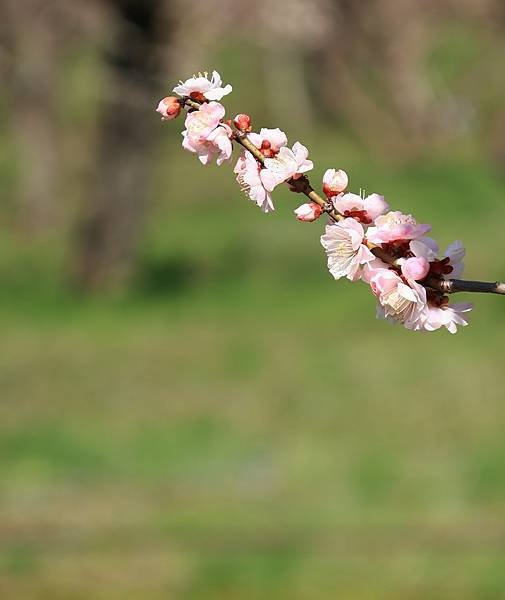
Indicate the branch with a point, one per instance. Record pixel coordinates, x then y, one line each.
451 286
302 185
407 277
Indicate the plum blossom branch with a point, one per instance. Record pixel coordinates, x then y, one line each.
300 185
451 286
364 240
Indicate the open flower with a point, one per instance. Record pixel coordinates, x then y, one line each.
198 86
371 268
258 181
271 140
286 165
365 210
396 226
216 145
399 302
201 123
344 247
206 136
448 316
249 172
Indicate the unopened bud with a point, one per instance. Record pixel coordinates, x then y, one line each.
415 268
308 212
334 182
169 108
243 123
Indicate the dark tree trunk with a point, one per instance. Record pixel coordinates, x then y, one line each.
116 202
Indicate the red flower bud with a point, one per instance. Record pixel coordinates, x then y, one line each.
308 212
243 123
169 108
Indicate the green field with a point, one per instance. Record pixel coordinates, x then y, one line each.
240 426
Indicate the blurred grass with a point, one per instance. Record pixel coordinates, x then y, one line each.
239 425
231 449
242 427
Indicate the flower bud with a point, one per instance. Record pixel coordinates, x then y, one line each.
169 108
308 212
334 182
415 268
243 123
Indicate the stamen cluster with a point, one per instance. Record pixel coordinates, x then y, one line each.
364 240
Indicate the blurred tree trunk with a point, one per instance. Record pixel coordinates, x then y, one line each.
29 42
116 202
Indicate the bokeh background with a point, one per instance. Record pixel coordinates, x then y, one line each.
190 406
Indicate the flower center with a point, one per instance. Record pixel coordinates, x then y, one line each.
200 124
344 250
267 150
360 215
197 96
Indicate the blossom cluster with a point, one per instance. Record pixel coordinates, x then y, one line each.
361 232
398 286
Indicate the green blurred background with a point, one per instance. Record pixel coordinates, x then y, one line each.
191 407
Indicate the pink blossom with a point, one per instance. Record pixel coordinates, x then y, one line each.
408 304
200 123
169 108
308 212
217 145
286 165
396 226
371 268
344 247
399 302
334 182
382 281
364 209
415 268
206 136
269 139
448 316
249 172
199 85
